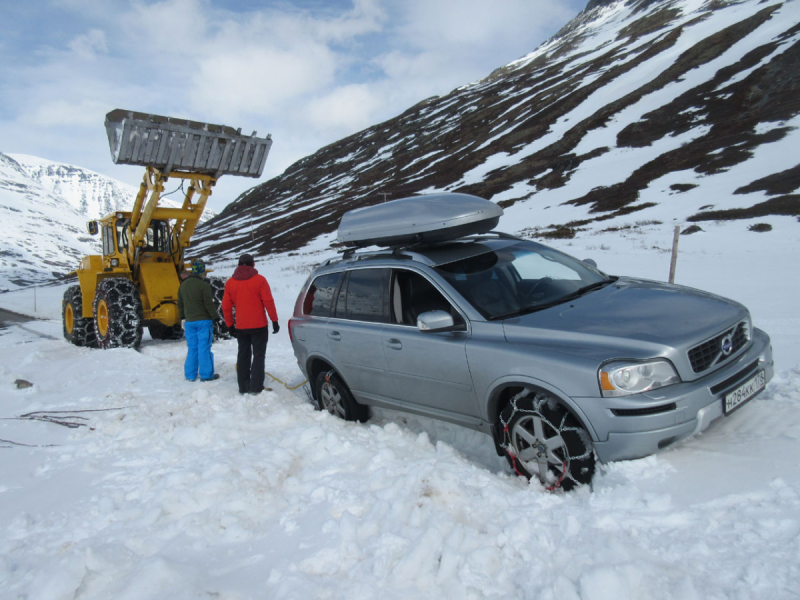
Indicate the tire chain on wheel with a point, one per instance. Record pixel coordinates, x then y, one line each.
538 401
83 333
221 331
125 327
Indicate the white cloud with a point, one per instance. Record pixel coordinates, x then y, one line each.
346 108
87 45
310 73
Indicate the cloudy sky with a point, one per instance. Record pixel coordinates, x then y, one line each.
307 71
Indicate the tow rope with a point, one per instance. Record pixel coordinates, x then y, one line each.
284 383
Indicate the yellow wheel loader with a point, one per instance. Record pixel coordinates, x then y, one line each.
134 283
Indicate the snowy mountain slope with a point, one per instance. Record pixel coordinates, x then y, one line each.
43 235
676 107
92 194
38 191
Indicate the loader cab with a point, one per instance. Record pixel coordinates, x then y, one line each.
116 235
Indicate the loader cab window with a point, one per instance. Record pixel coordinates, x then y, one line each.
108 241
156 238
122 233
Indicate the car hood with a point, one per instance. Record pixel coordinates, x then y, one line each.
635 313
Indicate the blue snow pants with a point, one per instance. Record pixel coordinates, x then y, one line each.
199 335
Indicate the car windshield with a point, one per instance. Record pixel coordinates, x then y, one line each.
520 278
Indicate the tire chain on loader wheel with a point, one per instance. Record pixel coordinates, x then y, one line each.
120 305
576 452
159 331
77 329
221 331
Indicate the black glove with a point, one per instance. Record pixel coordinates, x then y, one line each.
275 327
232 330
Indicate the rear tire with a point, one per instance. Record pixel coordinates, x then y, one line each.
159 331
543 439
334 396
77 329
118 314
221 331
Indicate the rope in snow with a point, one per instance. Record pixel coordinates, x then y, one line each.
284 383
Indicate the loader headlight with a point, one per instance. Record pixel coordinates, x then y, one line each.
622 378
114 262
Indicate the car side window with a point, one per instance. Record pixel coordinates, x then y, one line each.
365 296
413 294
319 298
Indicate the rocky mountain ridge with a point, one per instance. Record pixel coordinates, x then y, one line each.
632 105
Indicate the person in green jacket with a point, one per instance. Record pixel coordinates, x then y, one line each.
196 307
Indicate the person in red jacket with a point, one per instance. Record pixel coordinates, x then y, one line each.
249 293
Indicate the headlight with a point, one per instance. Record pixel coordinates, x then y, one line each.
622 378
114 262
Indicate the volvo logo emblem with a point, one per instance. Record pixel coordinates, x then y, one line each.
727 345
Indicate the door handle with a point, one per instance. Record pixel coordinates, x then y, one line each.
394 344
334 335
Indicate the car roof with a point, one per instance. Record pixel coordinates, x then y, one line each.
431 255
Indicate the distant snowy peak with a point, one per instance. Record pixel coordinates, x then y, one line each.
44 236
684 110
44 207
90 193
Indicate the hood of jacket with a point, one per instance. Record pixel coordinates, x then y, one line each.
243 272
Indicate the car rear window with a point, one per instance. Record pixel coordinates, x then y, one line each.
365 298
320 295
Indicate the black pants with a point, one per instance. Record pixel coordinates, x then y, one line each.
252 346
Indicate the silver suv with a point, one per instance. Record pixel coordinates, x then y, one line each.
562 364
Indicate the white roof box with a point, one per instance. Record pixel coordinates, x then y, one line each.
419 219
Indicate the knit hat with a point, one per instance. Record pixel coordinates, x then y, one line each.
247 259
198 267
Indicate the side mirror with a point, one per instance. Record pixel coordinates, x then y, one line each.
92 227
435 321
590 262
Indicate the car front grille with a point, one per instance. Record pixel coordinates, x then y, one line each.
704 356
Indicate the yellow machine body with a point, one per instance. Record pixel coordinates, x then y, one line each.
147 245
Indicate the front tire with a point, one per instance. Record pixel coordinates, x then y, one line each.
159 331
543 439
77 329
118 321
334 396
221 331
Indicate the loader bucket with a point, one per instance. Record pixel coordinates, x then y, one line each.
167 144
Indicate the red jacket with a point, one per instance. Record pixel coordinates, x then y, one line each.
249 293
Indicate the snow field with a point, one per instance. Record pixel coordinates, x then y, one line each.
189 490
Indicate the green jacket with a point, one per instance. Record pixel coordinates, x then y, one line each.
194 300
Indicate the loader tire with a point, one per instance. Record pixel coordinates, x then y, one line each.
118 320
159 331
77 329
221 331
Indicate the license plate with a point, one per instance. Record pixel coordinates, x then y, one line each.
735 398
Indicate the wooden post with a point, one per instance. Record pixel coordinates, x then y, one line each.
672 263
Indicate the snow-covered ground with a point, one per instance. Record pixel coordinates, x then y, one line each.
170 489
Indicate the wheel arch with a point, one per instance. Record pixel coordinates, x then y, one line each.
504 389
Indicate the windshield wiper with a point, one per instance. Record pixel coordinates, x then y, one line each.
571 296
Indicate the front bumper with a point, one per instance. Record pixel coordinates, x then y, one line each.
637 426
